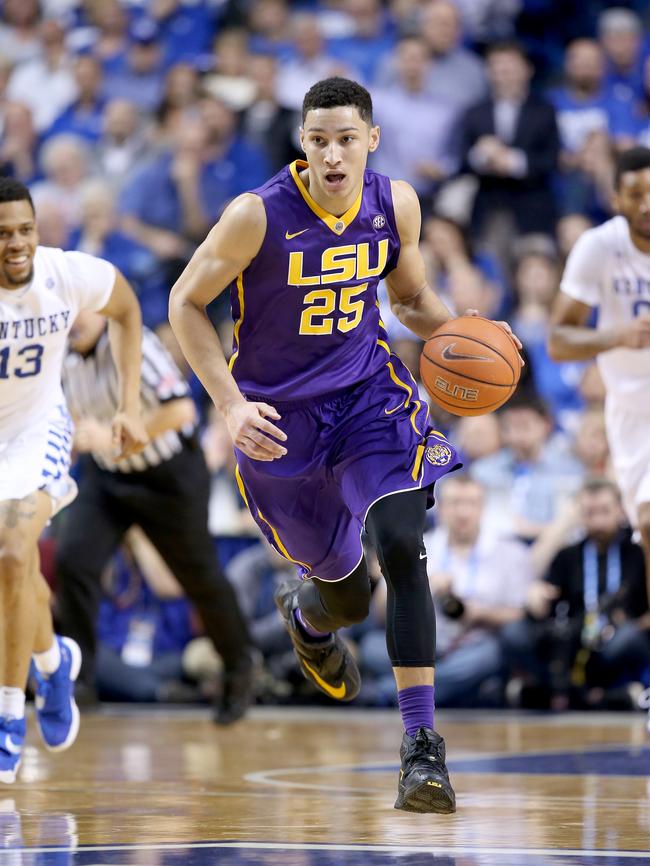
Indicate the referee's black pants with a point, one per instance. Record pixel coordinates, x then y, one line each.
170 503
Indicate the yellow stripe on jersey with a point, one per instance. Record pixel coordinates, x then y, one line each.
418 462
337 224
279 545
399 382
240 484
240 295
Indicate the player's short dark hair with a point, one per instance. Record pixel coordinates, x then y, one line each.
633 159
337 93
13 190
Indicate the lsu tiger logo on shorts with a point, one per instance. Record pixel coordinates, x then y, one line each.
438 455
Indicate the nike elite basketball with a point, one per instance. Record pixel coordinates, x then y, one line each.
470 366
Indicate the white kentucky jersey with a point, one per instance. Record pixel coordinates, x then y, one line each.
34 325
607 271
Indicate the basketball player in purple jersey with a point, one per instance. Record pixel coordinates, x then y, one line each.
328 429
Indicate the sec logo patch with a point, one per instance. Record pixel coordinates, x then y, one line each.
438 455
379 221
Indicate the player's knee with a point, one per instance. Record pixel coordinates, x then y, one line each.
15 561
399 547
356 609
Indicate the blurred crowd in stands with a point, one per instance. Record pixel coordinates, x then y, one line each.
135 122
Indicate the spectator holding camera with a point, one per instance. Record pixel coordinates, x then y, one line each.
479 583
587 636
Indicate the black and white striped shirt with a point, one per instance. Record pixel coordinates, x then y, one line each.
91 388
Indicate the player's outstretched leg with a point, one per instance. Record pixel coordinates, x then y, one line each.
57 714
395 525
313 611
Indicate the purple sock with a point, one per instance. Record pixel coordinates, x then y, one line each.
306 628
416 708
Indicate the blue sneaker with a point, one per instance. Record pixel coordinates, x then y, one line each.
12 737
56 711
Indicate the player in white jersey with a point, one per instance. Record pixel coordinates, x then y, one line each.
609 269
41 292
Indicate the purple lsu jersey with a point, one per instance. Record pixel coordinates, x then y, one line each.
307 320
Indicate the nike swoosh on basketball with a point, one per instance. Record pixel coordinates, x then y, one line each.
337 692
449 355
288 236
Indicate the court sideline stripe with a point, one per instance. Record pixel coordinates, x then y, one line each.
315 846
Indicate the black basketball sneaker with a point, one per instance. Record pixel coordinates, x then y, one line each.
424 784
327 663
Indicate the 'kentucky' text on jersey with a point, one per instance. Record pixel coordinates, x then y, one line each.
312 285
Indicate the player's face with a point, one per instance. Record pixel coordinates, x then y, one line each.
18 242
632 200
336 142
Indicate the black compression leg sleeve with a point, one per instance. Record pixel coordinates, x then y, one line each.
395 525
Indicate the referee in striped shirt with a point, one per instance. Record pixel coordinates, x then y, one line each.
164 489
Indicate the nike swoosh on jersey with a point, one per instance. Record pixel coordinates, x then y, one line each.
288 236
337 692
449 355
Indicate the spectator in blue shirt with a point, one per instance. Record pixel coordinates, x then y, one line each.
85 116
99 235
187 28
620 32
140 80
171 203
372 39
584 108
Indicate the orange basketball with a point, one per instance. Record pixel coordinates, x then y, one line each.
470 366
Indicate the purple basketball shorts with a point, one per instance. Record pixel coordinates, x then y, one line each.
345 451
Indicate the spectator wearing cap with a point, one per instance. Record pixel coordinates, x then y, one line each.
140 78
84 117
620 33
45 84
511 145
372 39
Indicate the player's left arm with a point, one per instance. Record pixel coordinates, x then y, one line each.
412 299
125 335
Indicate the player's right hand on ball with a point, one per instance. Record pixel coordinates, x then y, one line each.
251 431
636 335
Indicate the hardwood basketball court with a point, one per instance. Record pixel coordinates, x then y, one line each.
316 788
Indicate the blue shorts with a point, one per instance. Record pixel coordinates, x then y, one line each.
345 451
